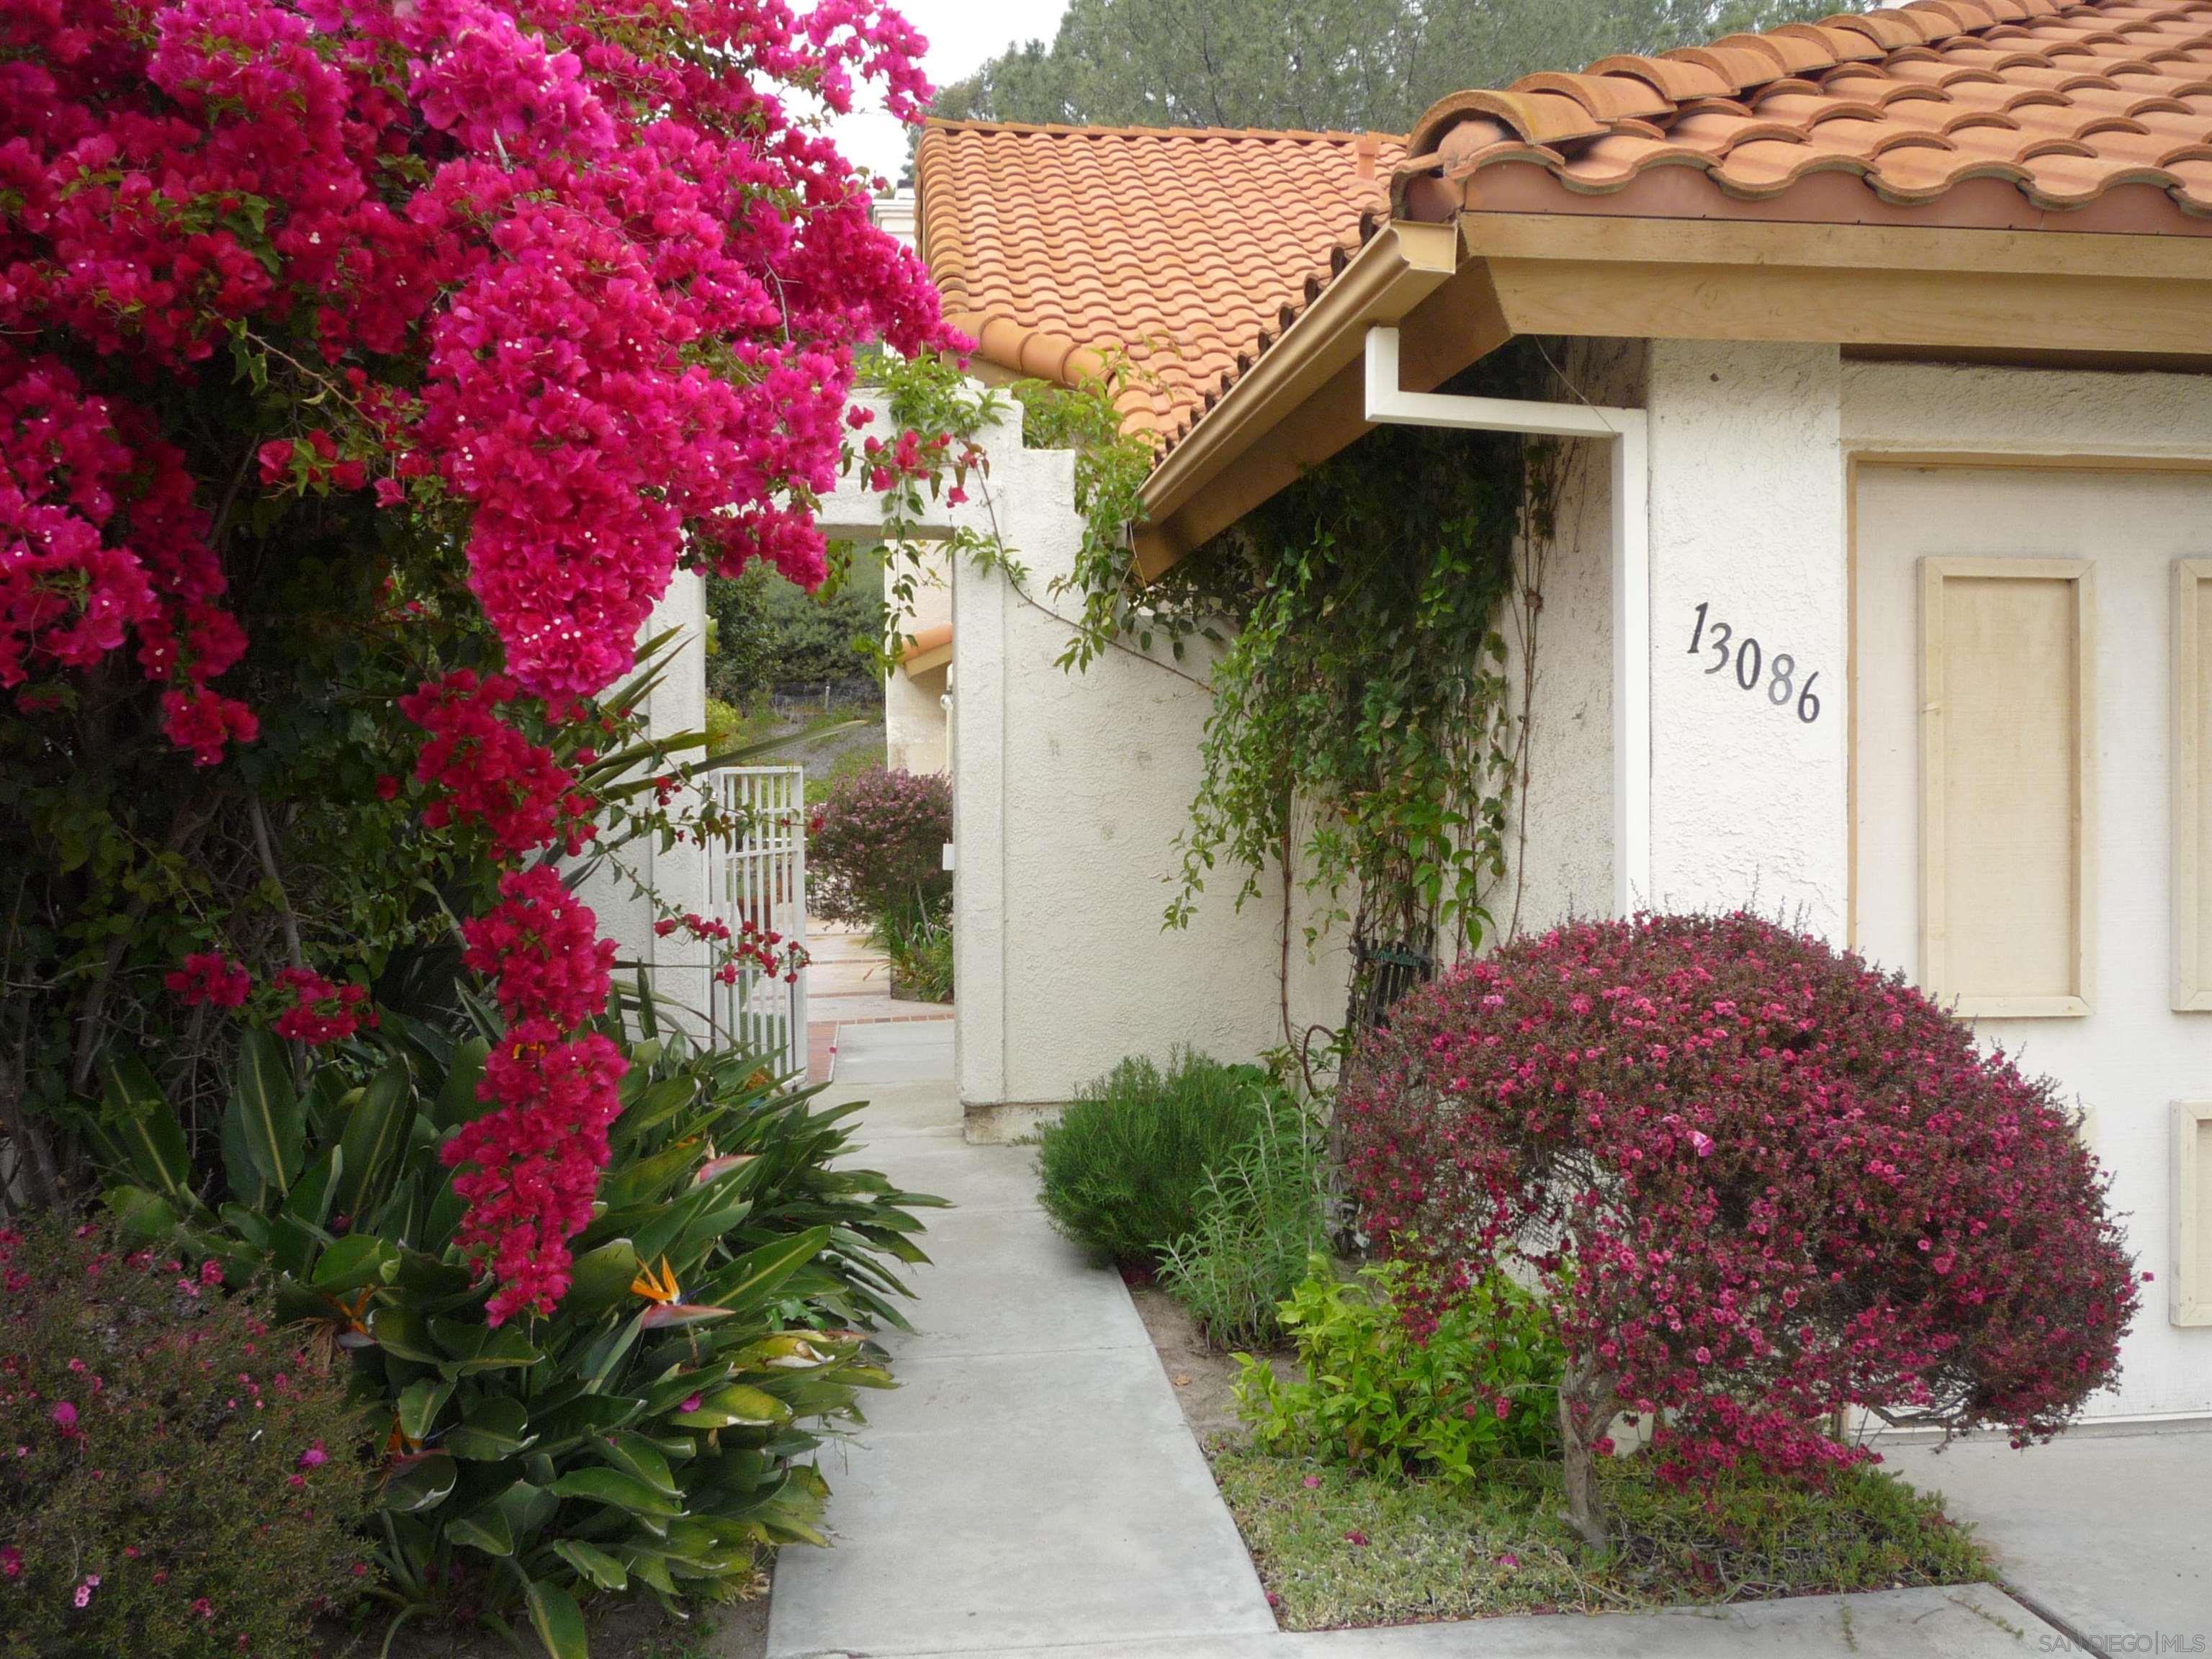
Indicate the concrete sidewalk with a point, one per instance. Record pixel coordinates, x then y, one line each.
1030 1487
1031 1483
2106 1532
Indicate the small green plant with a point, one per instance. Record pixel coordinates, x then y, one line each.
1125 1168
1261 1217
920 956
178 1478
1425 1384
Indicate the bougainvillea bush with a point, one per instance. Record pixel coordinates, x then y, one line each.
178 1478
875 849
367 370
1762 1182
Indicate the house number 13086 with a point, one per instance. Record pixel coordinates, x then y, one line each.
1750 663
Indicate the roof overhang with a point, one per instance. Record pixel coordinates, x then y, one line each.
1457 291
928 650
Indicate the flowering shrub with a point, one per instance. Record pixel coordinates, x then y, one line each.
1761 1181
177 1478
1408 1376
367 371
875 848
646 1434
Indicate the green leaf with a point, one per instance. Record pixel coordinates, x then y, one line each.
486 1530
599 1278
614 1487
634 1454
752 1280
736 1405
354 1261
267 1110
141 1132
420 1402
376 1133
592 1564
147 1215
403 1332
456 1099
493 1427
557 1619
418 1482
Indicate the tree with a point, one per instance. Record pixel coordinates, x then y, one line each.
367 370
1349 65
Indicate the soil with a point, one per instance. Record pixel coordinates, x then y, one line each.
632 1630
1201 1373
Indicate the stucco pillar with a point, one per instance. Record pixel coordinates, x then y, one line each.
1750 785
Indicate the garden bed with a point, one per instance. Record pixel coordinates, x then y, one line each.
1336 1548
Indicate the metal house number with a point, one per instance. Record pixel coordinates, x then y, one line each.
1750 663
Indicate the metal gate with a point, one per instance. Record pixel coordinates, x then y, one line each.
759 876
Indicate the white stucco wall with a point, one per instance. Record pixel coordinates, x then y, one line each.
1069 792
1748 802
1562 850
915 715
678 968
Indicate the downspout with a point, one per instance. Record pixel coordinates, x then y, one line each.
1626 431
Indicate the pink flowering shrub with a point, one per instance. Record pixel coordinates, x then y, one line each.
1762 1182
367 370
875 848
176 1477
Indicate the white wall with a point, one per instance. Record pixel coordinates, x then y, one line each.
1069 792
915 717
678 966
1562 849
1748 802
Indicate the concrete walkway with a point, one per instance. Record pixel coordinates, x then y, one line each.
2106 1532
1030 1482
1031 1488
848 982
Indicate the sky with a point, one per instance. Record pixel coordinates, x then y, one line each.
961 36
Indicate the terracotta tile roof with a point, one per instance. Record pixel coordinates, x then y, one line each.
1182 248
2019 114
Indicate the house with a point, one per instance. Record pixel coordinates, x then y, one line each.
1885 343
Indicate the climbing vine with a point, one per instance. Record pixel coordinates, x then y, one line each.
1364 737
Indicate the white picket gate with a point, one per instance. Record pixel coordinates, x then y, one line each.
759 876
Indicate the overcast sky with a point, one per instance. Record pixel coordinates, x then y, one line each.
961 34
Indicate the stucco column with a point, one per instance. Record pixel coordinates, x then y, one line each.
1750 801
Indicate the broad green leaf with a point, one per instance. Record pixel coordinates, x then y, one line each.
486 1530
634 1454
614 1487
752 1279
599 1278
420 1402
267 1110
456 1099
308 1203
355 1260
147 1215
492 1428
557 1620
141 1131
376 1133
402 1332
592 1564
418 1482
735 1405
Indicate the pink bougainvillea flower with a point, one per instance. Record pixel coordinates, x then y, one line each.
209 978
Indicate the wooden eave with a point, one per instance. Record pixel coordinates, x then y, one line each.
1458 291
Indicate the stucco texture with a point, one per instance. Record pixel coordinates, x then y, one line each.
1748 800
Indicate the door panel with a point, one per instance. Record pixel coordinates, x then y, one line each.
2012 791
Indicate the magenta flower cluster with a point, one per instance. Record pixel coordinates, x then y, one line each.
1762 1181
569 280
